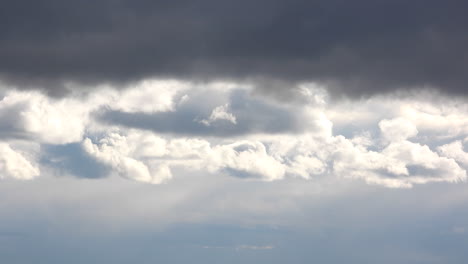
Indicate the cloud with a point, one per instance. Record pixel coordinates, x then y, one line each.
147 96
155 128
358 48
139 155
122 157
397 129
253 247
455 150
399 164
14 165
145 157
32 115
269 127
251 115
246 159
219 113
437 118
422 165
458 230
241 247
72 159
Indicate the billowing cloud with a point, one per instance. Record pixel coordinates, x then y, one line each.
154 128
119 154
14 165
397 129
246 159
36 117
455 150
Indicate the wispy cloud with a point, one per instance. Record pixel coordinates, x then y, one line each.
242 247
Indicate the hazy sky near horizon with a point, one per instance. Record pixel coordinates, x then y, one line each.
233 131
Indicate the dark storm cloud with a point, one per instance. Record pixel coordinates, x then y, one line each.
358 47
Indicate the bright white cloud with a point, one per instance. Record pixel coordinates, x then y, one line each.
446 120
436 118
147 158
220 113
127 155
399 164
378 140
246 159
35 116
397 129
455 151
147 96
14 165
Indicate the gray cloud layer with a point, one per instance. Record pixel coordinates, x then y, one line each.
252 116
360 47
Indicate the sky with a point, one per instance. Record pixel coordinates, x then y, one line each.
322 131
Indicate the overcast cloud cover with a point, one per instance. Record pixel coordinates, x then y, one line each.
233 131
360 47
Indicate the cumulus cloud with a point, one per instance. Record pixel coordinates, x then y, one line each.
435 117
35 116
397 129
14 165
455 150
147 96
121 155
442 118
147 131
401 163
246 159
145 157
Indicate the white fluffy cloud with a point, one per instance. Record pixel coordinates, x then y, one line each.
397 129
39 118
246 159
436 118
144 157
128 156
387 145
220 113
14 165
148 96
140 155
398 164
455 151
444 120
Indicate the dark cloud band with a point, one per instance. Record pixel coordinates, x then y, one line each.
359 47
